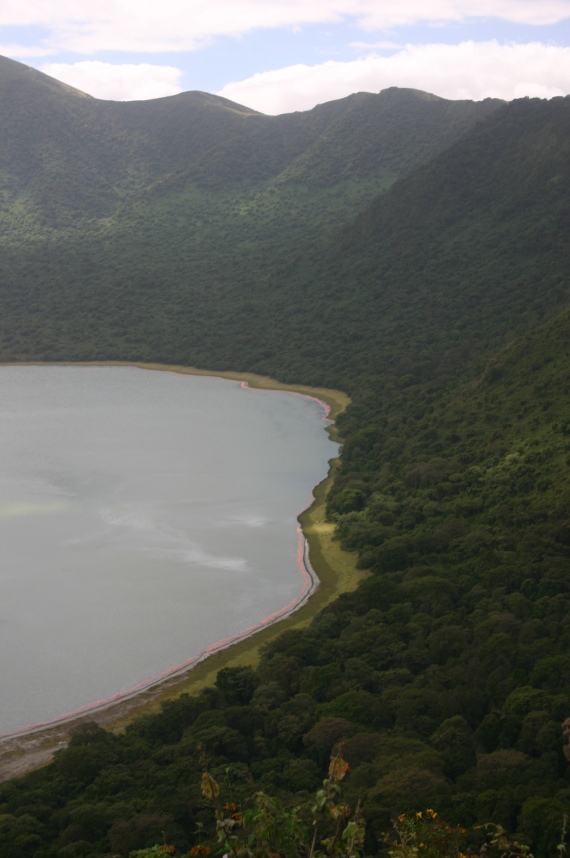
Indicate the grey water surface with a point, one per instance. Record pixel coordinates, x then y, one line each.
143 517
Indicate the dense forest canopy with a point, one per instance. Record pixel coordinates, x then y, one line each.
412 252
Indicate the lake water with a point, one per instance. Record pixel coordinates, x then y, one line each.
144 516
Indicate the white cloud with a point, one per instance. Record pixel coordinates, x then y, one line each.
371 46
393 13
144 25
470 70
118 82
16 51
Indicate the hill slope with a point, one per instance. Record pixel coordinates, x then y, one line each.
454 258
66 156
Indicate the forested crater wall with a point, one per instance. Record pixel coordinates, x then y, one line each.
433 289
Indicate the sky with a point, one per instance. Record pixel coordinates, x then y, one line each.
280 56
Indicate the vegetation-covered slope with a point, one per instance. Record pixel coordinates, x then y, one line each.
441 306
67 157
451 260
465 252
128 212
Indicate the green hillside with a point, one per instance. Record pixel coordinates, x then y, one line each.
452 259
455 259
413 252
131 212
67 157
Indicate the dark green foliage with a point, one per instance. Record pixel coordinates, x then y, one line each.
237 684
156 208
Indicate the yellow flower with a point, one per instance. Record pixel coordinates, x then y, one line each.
419 814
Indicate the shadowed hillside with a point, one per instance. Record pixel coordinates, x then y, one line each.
468 250
455 258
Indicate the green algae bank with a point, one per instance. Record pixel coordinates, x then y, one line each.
144 517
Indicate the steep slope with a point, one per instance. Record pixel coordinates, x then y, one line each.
66 156
450 262
471 248
390 133
453 258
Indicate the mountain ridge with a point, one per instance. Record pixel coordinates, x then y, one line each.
120 146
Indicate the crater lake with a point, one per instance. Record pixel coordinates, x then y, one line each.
144 517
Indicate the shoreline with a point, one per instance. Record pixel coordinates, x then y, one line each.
31 746
336 400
